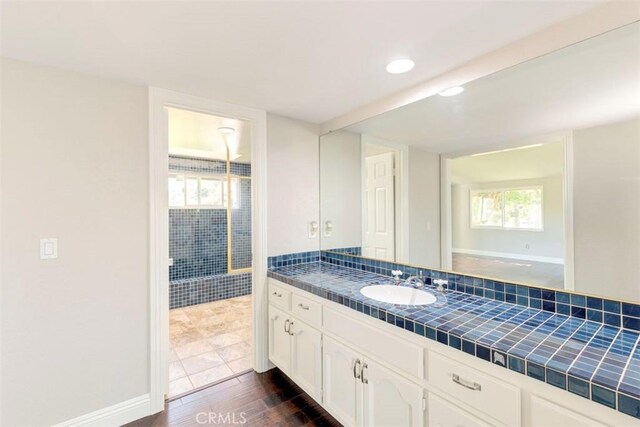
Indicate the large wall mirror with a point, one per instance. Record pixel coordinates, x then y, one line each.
529 175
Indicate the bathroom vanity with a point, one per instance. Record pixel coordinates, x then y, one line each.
372 363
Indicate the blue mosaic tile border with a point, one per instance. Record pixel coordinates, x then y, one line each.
189 164
293 259
187 292
605 311
590 359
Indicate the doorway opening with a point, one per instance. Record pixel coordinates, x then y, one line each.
210 249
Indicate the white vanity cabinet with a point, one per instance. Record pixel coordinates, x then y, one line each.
443 414
306 357
366 372
341 384
296 348
545 414
279 339
361 392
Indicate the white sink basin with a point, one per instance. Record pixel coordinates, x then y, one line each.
394 294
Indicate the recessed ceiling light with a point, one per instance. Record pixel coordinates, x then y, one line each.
400 66
226 130
452 91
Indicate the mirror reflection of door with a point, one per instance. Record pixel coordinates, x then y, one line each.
379 215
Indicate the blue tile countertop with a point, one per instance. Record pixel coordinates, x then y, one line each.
593 360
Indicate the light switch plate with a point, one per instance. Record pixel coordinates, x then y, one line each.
49 248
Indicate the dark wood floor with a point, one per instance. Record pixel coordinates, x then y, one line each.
267 399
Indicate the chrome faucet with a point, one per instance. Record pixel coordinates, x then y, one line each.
415 281
440 284
396 276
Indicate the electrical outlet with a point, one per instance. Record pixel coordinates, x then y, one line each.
312 229
527 246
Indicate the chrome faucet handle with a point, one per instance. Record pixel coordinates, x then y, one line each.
396 276
415 281
440 284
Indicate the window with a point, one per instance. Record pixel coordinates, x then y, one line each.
510 209
205 192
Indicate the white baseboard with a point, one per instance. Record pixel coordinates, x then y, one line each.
550 260
115 415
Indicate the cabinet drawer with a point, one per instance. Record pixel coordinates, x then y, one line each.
483 392
401 354
306 310
279 297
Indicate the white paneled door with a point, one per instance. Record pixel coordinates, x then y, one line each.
379 216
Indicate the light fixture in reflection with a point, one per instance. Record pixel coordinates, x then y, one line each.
225 130
400 66
506 149
452 91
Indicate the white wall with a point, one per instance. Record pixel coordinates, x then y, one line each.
293 184
341 189
424 208
607 209
548 243
74 161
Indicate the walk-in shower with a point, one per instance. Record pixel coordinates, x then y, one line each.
209 209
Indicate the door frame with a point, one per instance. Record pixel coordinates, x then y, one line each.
159 230
446 233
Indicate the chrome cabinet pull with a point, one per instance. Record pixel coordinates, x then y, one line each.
467 384
362 378
304 307
277 294
286 323
290 325
356 371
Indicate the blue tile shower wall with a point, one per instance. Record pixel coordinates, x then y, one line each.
198 241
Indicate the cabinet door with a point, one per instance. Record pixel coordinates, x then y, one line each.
306 357
443 414
340 390
389 399
279 339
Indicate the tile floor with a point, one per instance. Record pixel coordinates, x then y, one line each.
209 342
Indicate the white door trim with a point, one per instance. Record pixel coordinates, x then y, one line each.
159 229
567 182
446 234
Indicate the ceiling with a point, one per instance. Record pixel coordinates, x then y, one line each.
310 60
527 163
587 84
196 134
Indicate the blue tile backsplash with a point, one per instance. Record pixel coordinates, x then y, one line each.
574 342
